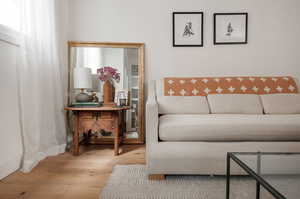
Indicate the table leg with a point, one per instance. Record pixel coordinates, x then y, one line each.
257 190
258 172
117 135
228 177
123 126
76 136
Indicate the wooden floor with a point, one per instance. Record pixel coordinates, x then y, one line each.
68 177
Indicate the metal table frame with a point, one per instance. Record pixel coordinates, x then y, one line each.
255 175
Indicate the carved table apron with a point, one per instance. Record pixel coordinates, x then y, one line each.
95 119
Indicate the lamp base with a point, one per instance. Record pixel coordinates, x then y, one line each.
82 97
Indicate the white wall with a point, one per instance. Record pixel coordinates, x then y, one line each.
11 149
273 47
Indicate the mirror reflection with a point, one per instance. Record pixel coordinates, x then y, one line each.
126 91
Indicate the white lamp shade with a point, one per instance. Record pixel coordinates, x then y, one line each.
82 78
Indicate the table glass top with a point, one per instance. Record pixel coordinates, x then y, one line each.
280 170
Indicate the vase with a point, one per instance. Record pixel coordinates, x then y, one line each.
108 94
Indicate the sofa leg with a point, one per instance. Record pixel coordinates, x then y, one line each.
157 177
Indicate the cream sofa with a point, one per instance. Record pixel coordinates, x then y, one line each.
191 135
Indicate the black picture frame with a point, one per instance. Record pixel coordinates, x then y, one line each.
174 29
230 43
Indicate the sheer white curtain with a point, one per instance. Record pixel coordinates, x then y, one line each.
41 84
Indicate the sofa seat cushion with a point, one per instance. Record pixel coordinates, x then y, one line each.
229 127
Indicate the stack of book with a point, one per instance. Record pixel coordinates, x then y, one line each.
86 104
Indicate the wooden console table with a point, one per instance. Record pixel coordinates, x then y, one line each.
88 119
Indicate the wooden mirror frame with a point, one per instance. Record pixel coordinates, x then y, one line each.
141 61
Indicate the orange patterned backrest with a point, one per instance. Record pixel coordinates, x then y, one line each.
202 86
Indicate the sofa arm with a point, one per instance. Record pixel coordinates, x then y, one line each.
151 116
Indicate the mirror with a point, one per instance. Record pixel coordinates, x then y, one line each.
128 59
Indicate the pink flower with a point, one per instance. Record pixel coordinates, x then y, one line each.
108 73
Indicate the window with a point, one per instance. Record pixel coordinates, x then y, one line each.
10 14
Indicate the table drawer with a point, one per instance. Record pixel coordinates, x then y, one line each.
93 124
95 115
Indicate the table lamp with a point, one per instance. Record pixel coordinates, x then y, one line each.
82 81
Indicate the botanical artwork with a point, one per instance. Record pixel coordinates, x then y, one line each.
230 28
187 29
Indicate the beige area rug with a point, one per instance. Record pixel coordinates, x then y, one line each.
131 182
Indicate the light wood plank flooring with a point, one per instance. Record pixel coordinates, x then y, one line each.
69 177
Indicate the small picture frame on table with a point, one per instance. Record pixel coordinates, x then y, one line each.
187 29
230 28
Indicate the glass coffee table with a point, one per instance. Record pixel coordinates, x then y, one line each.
277 173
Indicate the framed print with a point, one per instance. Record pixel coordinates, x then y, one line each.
230 28
187 29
